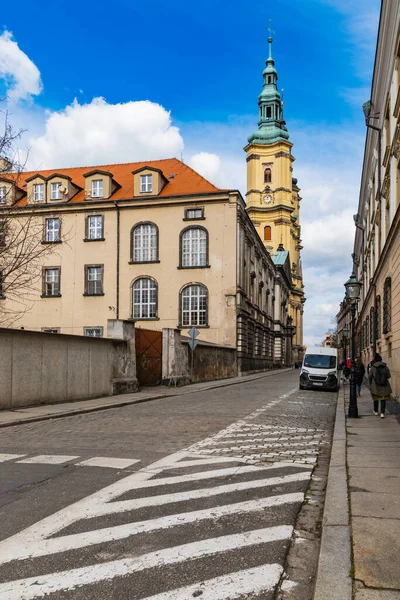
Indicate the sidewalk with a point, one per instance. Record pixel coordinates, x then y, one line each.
66 409
360 542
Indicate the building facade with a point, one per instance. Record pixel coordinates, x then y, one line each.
273 196
377 239
156 243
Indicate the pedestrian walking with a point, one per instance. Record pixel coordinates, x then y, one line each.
359 373
379 376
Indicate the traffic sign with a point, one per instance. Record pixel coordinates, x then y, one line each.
194 333
192 344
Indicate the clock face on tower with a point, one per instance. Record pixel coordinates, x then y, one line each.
268 199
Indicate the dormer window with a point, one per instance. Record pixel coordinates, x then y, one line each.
38 192
97 188
146 183
55 191
3 194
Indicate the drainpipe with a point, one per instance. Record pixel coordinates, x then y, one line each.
118 259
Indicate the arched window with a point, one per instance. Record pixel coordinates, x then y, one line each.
145 242
194 247
378 318
387 305
144 298
267 175
194 309
267 233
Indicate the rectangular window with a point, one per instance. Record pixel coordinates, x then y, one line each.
51 281
146 183
52 230
3 195
55 192
94 280
50 329
194 213
38 192
97 188
95 227
93 331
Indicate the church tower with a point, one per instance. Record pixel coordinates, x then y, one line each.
273 197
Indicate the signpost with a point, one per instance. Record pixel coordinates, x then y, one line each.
193 334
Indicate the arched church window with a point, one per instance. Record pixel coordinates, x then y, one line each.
267 175
269 112
267 233
269 78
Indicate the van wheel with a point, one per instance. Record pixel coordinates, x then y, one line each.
301 387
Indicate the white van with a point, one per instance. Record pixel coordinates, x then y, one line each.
319 369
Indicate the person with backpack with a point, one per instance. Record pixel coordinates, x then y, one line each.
379 376
359 373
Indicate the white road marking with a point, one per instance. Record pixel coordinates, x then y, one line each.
119 532
251 446
108 462
159 500
5 457
48 459
39 586
24 543
205 461
228 587
295 438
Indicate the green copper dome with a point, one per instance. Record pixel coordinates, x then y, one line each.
271 126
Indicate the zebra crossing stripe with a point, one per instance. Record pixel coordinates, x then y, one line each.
48 459
205 461
119 532
39 586
228 587
5 457
258 439
159 500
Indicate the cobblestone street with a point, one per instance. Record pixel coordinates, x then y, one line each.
192 495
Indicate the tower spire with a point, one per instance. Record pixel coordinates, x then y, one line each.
271 125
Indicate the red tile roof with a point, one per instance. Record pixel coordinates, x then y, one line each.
186 181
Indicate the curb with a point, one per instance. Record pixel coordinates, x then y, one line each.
85 410
333 578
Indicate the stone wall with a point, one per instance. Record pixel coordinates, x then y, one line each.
210 360
45 368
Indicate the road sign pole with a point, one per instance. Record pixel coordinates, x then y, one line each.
193 333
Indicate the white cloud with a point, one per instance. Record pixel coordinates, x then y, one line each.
208 165
21 76
101 133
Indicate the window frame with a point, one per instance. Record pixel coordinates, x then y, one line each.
58 193
378 318
183 325
269 228
87 228
46 239
387 306
133 260
36 194
94 327
181 241
100 183
188 210
3 197
145 186
44 282
149 304
86 287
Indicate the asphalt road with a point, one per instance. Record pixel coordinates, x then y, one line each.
193 496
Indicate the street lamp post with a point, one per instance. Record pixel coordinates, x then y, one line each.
345 335
353 287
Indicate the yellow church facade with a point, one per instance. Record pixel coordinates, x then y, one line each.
273 197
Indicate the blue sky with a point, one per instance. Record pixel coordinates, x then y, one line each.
183 78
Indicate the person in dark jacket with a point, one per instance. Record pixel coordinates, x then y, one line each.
379 376
359 373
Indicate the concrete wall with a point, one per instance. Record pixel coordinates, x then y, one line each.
45 368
